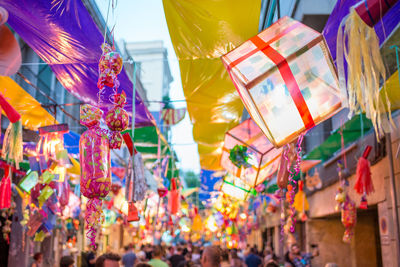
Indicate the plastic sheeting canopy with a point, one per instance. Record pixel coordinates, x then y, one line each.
64 36
201 32
33 115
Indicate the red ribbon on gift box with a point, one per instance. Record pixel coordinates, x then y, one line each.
284 70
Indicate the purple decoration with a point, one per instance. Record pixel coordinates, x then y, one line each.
64 36
383 28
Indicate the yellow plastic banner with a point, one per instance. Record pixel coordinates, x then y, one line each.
392 87
33 115
201 32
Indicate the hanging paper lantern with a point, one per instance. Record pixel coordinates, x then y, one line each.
117 120
260 158
51 143
236 188
95 161
197 225
359 45
286 79
110 65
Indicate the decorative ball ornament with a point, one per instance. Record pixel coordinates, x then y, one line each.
110 65
117 120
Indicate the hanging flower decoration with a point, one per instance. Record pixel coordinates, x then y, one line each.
95 168
117 120
239 156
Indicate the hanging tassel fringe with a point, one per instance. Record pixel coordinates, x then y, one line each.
365 71
12 144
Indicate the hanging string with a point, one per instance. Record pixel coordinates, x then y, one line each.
397 59
105 26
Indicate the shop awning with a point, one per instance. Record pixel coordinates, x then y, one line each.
352 131
201 32
33 115
65 36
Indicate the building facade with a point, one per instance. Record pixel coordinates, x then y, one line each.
154 72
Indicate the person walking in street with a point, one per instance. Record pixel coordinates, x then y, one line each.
108 260
38 258
67 261
177 258
157 255
225 258
236 261
211 257
299 259
129 258
252 259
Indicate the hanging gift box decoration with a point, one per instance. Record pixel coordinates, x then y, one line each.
260 159
51 140
358 43
94 152
286 79
236 188
117 120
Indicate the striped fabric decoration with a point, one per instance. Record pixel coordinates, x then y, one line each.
172 116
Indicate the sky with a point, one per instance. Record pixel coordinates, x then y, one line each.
144 20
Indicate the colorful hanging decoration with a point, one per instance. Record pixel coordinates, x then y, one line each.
359 45
349 213
239 157
94 150
234 187
7 214
174 198
117 120
313 181
110 65
5 189
286 79
364 185
301 203
172 116
248 154
12 143
51 143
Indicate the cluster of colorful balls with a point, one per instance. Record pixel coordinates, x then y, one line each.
348 211
117 120
110 65
95 161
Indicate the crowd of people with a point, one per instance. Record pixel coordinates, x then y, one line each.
193 256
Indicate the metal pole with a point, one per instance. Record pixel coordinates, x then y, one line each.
395 212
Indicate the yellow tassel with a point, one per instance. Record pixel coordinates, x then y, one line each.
300 202
12 144
365 71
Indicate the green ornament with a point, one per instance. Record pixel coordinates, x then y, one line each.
239 157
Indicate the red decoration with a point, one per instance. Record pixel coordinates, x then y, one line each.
11 113
5 189
162 192
133 214
364 183
174 199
